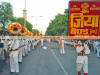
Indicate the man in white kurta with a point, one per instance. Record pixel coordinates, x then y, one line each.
5 41
23 48
82 59
98 49
62 51
41 41
29 45
95 45
14 66
20 51
26 47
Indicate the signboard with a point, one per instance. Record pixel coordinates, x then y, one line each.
84 19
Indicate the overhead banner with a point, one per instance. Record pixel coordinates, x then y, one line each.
84 19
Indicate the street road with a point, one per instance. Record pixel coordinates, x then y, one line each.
50 62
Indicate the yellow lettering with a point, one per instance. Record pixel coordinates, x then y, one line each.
92 20
73 30
79 31
97 8
75 9
76 20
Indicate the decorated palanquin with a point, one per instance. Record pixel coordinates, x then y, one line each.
84 19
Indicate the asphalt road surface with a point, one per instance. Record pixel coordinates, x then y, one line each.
50 62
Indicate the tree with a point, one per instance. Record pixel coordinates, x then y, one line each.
59 25
6 14
35 30
6 17
21 21
66 11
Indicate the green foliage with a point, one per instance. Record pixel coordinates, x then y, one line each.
6 14
6 17
59 25
13 19
21 21
35 30
66 11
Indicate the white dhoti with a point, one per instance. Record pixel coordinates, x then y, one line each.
62 51
23 51
82 63
41 42
26 50
98 51
14 66
29 47
20 55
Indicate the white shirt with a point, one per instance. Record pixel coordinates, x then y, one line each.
79 49
15 44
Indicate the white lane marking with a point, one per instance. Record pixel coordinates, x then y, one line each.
58 61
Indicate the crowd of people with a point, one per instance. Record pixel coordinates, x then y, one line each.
4 32
12 51
83 48
94 46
